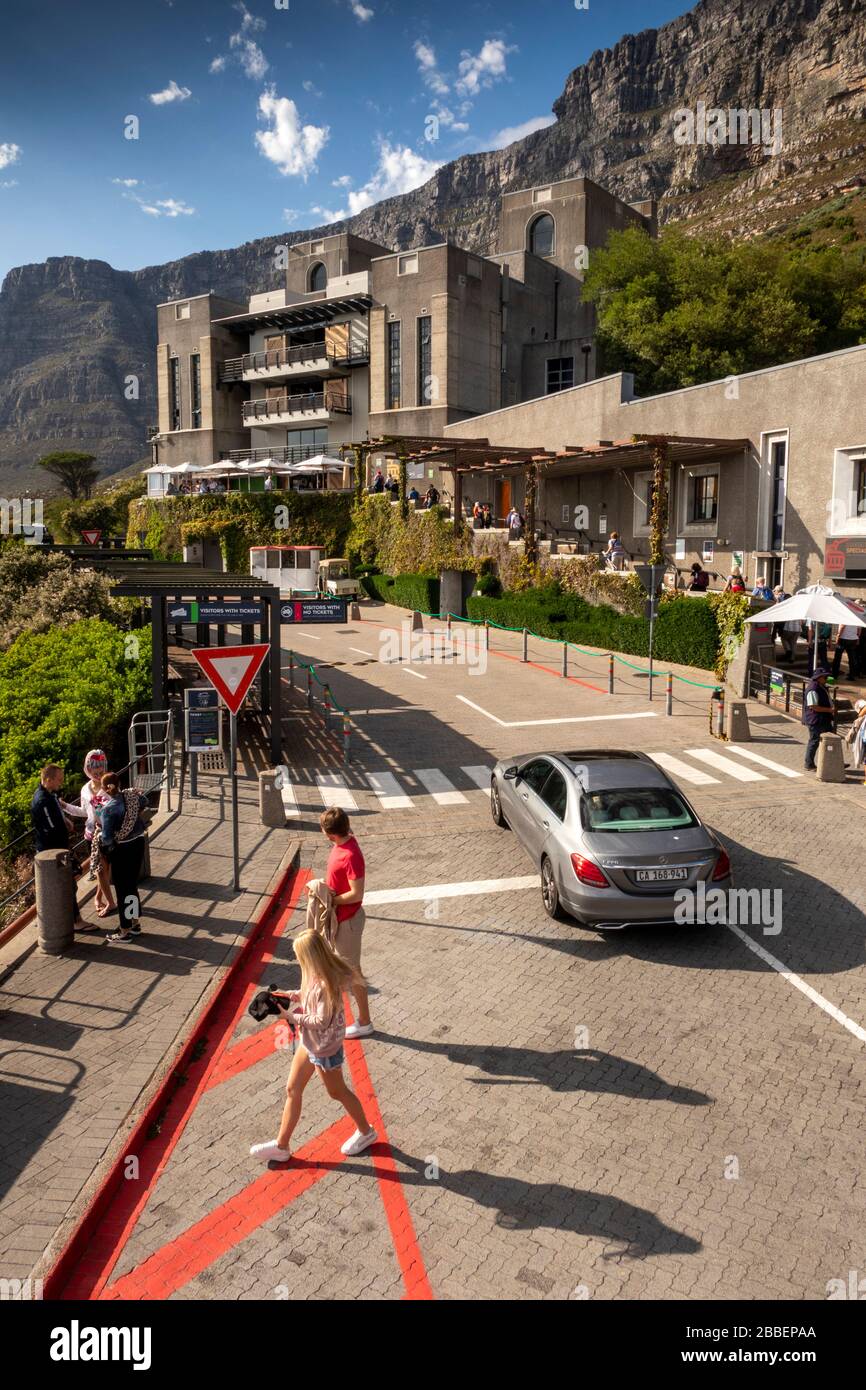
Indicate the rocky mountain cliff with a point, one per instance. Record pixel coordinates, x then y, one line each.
73 331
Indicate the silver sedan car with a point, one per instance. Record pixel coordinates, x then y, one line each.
614 838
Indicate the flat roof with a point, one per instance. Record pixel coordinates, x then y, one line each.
300 315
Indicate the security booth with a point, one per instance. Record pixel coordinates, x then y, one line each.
293 569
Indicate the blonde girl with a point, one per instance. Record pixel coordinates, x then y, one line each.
93 799
320 1017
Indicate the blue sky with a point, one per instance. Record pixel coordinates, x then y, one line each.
252 119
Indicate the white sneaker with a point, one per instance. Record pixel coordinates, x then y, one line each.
358 1142
271 1151
359 1030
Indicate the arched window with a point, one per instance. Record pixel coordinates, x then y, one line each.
541 235
318 277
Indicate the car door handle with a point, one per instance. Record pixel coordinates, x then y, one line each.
546 824
525 795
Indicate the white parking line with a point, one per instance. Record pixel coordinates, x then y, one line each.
389 791
287 792
480 887
480 776
713 759
334 792
575 719
765 762
360 651
680 769
443 792
409 672
810 993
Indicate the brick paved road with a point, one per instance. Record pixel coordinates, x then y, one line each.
650 1114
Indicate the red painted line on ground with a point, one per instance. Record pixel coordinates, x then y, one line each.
84 1267
181 1260
403 1236
243 1054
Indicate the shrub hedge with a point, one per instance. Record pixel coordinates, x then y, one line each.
685 632
420 592
239 520
63 692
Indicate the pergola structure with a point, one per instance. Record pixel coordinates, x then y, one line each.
460 456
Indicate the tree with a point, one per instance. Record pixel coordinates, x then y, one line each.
95 515
74 471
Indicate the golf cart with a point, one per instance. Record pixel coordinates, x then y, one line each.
335 580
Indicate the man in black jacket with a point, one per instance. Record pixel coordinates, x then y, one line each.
817 713
48 813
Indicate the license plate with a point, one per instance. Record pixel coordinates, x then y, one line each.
660 875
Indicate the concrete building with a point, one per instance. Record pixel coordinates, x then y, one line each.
358 341
773 475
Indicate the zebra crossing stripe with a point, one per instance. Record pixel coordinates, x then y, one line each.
388 789
480 776
334 792
287 792
765 762
683 770
713 759
443 792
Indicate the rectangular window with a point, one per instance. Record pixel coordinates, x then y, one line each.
560 374
195 389
425 361
181 311
778 465
394 366
473 267
860 486
704 497
174 393
407 265
303 444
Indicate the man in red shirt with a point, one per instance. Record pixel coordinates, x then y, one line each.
345 878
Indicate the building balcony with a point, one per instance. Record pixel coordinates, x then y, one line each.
313 407
284 453
278 364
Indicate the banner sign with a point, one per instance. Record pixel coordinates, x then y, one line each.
314 610
845 557
193 612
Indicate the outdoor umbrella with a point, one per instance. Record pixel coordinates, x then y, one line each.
815 604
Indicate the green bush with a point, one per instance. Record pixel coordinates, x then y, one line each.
61 693
420 592
423 542
240 520
685 632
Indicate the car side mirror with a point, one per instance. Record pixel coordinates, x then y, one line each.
511 774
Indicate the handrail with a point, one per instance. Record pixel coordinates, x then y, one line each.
286 405
234 367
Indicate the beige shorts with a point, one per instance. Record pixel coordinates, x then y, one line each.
347 942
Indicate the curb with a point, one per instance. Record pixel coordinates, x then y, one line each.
58 1262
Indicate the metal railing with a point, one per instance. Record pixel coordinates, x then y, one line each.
142 780
301 404
328 705
302 353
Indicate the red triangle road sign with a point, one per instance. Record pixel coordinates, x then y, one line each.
231 670
91 537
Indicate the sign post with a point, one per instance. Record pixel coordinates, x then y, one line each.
231 671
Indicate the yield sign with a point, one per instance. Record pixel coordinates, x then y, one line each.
231 670
91 537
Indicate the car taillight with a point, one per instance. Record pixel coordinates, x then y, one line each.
588 872
723 866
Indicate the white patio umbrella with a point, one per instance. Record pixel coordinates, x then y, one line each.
814 604
223 466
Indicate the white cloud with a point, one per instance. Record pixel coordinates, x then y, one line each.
170 93
447 118
218 64
428 69
311 88
166 207
510 133
250 23
250 56
9 183
292 147
361 13
399 171
290 215
126 183
9 154
482 69
327 215
344 181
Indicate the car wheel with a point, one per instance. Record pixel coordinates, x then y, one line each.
550 892
496 805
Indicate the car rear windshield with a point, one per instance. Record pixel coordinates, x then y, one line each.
635 808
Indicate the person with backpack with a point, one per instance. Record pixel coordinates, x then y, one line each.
318 1013
93 799
735 582
122 842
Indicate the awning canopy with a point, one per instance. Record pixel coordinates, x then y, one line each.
297 316
479 455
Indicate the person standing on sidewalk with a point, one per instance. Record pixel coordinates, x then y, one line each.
48 813
320 1017
817 713
93 798
344 876
122 842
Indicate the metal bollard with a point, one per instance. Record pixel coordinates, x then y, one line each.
292 670
347 734
55 901
328 698
309 687
565 659
525 645
669 694
610 674
486 635
448 626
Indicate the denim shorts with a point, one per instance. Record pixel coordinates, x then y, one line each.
327 1063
